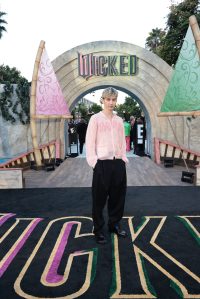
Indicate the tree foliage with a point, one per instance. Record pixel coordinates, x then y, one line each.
125 110
128 108
19 108
154 40
170 43
12 75
95 108
80 111
83 110
6 103
22 105
2 23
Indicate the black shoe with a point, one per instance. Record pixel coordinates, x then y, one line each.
100 238
118 231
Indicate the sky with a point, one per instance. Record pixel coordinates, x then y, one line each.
65 24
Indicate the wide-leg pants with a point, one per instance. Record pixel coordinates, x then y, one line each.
109 184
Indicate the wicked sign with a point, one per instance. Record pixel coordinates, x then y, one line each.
117 65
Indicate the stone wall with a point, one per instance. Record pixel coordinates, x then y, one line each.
192 133
14 138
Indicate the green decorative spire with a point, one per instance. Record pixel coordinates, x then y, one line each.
183 93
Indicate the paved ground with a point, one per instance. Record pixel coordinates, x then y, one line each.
75 172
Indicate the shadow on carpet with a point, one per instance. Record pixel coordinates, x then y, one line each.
47 249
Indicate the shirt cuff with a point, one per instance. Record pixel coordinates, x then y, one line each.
125 159
92 162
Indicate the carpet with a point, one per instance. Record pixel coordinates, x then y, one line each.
47 249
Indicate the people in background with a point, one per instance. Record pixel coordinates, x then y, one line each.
132 122
81 129
72 132
134 134
141 135
127 130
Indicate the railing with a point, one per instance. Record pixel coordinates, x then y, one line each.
165 149
48 151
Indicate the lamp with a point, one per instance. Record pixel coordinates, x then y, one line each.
187 177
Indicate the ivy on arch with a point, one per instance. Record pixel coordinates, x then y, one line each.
18 109
14 101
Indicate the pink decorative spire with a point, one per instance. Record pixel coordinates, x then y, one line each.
49 97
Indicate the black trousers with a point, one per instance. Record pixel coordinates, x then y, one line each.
81 147
109 184
81 142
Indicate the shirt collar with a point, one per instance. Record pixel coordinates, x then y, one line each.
114 115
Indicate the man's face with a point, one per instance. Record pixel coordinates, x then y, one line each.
110 102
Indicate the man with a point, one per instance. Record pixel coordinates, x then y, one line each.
106 154
132 122
127 132
81 130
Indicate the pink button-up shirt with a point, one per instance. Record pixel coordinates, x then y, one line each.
105 139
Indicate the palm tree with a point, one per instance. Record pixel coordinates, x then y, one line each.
2 22
154 39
